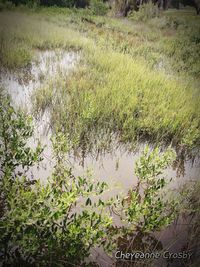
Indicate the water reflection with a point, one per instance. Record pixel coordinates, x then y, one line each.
22 84
47 65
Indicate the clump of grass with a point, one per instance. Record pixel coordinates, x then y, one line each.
185 48
12 55
118 96
49 28
146 12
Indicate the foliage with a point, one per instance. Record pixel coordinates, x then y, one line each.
122 7
57 223
147 208
194 3
60 3
49 3
146 12
117 90
54 224
6 5
15 129
33 3
98 7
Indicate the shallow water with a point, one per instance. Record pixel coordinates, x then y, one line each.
117 169
21 86
47 65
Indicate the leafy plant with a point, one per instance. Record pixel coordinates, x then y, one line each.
146 208
53 224
15 130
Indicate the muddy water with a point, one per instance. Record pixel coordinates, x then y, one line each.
45 66
117 169
21 86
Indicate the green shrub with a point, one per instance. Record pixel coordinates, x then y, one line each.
33 3
147 208
98 7
59 222
15 130
45 225
146 12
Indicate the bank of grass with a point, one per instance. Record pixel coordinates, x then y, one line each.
112 94
21 34
128 83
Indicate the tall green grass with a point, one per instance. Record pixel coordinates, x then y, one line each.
112 94
118 89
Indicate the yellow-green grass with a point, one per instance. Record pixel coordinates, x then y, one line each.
21 33
111 94
117 89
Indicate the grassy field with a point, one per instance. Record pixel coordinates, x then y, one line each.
135 81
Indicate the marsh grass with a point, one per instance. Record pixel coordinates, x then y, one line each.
122 101
128 84
23 34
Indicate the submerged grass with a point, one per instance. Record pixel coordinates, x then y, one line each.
127 99
135 81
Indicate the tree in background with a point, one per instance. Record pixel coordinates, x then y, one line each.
59 3
162 4
193 3
123 7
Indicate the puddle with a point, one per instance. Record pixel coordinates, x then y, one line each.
118 170
47 65
20 86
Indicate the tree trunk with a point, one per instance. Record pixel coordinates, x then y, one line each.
165 4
